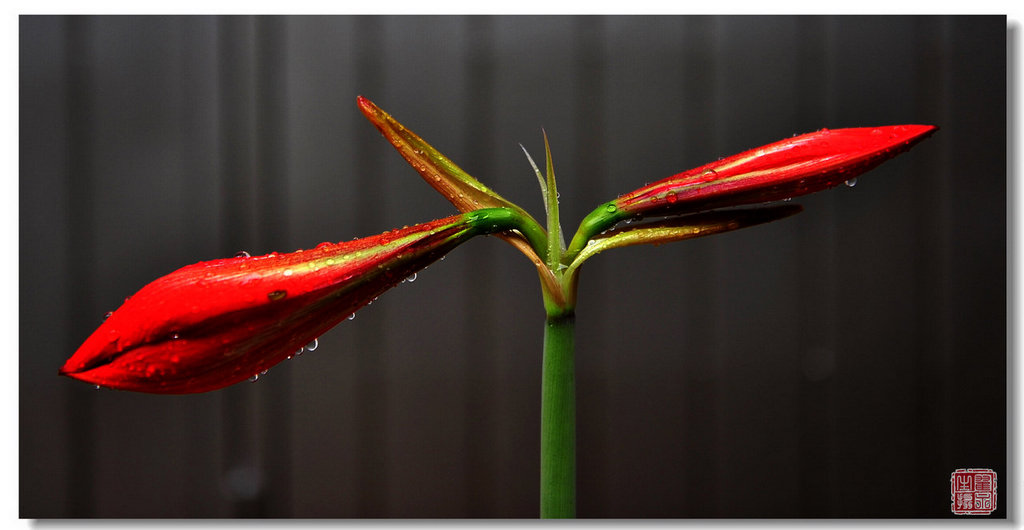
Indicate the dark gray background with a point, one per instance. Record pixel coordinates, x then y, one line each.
840 363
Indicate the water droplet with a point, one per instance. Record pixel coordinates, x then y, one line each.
254 378
411 278
264 372
175 336
242 254
330 261
708 174
313 345
671 197
352 316
277 295
95 387
442 258
787 199
106 316
825 131
851 183
287 272
610 208
297 352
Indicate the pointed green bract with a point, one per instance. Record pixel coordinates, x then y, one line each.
555 241
540 178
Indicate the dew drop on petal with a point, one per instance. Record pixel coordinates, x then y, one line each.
277 295
352 316
106 316
851 183
313 345
287 272
175 336
411 278
671 197
254 378
297 352
242 254
95 387
264 372
610 208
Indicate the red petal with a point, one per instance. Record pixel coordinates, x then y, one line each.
216 323
795 166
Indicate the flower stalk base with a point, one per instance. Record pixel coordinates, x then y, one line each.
558 420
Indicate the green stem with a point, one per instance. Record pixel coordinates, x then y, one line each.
558 419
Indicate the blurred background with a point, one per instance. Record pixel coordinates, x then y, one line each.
840 363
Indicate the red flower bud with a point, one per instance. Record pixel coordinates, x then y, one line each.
795 166
216 323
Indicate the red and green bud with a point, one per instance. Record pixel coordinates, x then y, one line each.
216 323
789 168
460 188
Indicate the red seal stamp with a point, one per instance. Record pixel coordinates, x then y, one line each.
973 491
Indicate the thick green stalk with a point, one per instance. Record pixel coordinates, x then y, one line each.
558 419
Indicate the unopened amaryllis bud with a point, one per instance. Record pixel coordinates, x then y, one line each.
216 323
781 170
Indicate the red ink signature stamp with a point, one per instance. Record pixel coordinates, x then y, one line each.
973 491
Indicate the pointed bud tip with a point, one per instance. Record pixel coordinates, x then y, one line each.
366 106
917 131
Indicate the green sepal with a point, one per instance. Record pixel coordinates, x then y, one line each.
601 219
678 229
